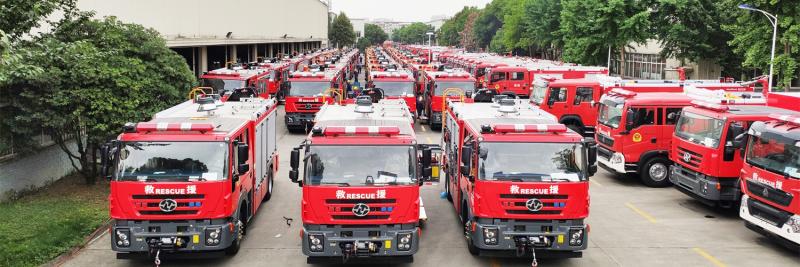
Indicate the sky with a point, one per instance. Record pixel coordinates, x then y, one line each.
403 10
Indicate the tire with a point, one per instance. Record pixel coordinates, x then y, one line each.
655 172
464 220
237 244
270 185
447 187
575 127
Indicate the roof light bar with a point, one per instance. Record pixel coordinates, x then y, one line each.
622 92
530 128
361 130
710 106
163 127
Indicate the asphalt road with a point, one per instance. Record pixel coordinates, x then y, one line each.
631 225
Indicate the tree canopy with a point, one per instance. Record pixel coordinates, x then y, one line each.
413 33
452 30
342 33
85 79
374 34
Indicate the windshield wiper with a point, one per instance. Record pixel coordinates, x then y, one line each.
334 183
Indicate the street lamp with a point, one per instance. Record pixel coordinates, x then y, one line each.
430 34
774 20
430 49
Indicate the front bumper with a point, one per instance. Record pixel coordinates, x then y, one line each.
300 120
436 118
708 189
360 242
171 236
551 235
614 161
767 220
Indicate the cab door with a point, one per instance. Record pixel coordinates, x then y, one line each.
517 82
582 105
644 134
556 101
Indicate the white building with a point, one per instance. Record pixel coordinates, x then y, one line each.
645 62
437 21
358 26
209 33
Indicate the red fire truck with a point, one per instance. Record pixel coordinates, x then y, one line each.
634 130
706 156
508 198
192 178
277 80
308 91
395 85
457 84
362 173
770 179
237 76
519 80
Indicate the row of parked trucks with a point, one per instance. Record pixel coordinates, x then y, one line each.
192 178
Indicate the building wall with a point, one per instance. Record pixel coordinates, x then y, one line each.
358 26
34 171
212 19
644 62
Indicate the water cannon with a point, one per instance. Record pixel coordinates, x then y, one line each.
364 105
207 104
507 106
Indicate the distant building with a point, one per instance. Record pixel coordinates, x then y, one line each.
388 25
209 33
358 26
645 62
437 21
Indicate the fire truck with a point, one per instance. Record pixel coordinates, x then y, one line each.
276 82
770 179
508 198
707 160
362 173
456 84
237 76
574 101
395 85
634 130
520 80
192 178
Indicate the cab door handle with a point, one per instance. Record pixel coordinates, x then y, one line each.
653 140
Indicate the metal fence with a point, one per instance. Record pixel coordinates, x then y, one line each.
640 66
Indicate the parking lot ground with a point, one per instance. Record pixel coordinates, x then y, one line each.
631 225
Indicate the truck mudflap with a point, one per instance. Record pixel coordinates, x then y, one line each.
323 242
525 238
707 189
772 222
152 237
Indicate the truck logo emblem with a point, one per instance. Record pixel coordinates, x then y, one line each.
308 106
765 192
687 157
167 205
534 204
360 210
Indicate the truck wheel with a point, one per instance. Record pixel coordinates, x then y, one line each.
447 187
655 172
237 243
269 187
465 220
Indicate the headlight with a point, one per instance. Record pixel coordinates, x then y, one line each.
490 236
122 237
315 243
576 237
213 236
794 224
404 241
289 119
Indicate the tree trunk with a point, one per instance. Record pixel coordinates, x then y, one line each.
622 61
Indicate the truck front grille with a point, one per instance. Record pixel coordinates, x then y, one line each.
767 213
694 158
515 204
774 195
603 139
379 209
188 204
307 105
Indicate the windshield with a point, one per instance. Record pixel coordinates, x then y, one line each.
221 85
396 88
777 155
308 88
361 165
442 86
172 161
515 162
699 129
610 113
538 94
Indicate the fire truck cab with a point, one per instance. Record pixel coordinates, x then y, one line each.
308 91
520 79
707 157
192 178
508 198
770 179
397 84
362 171
236 77
456 84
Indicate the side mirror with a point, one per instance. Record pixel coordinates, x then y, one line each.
104 160
465 171
243 153
591 150
630 119
740 140
551 101
466 155
293 175
243 168
294 159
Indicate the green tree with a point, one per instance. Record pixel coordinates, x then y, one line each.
374 34
86 79
692 30
413 33
362 44
497 45
342 33
752 37
18 17
489 22
540 23
513 25
452 30
589 28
